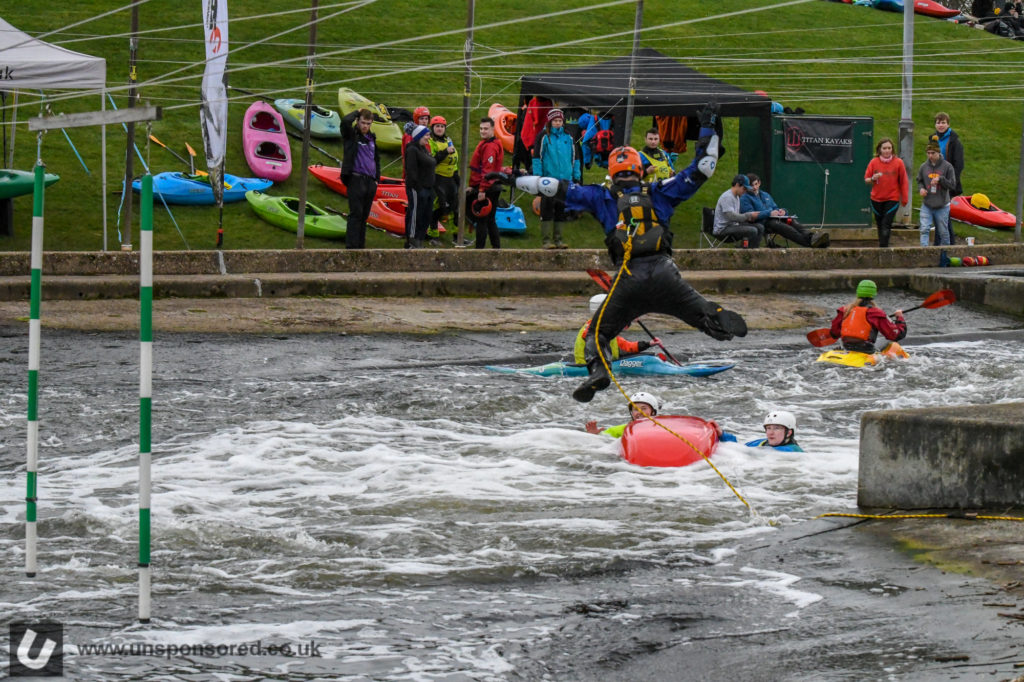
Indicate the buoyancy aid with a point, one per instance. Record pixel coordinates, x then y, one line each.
856 326
579 354
661 167
637 218
450 165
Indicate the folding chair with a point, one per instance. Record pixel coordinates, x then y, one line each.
707 233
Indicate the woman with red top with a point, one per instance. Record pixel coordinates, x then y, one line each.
890 188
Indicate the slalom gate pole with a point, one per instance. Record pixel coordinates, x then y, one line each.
145 389
32 439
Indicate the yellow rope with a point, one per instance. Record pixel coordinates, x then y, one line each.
950 515
627 251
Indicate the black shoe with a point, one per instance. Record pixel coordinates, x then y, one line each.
724 324
597 381
820 240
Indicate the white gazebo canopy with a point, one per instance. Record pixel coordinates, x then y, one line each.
27 63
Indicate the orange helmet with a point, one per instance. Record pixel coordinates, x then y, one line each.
420 111
438 120
481 208
624 160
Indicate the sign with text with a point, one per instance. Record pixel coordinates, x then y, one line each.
818 140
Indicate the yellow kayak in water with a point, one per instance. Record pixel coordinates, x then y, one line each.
852 358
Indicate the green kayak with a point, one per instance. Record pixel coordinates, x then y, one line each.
14 183
283 212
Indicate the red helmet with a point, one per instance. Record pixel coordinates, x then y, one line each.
438 120
419 112
624 160
481 208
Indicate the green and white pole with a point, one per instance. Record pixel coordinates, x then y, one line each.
32 439
145 388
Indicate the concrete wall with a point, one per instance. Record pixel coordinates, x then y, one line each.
963 457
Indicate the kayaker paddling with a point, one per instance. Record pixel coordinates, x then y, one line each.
857 325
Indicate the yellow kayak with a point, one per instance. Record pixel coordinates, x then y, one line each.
389 135
852 358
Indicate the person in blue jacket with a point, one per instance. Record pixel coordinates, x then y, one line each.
636 215
555 156
592 125
776 220
779 431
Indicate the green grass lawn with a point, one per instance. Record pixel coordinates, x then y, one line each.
828 58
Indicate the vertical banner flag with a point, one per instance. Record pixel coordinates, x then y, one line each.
213 112
818 140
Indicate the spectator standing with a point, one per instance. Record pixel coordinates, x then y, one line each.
776 220
487 158
936 179
658 164
731 222
360 171
951 148
555 155
420 168
887 177
446 182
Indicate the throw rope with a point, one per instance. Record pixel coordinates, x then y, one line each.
627 252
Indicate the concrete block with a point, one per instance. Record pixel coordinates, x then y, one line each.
963 457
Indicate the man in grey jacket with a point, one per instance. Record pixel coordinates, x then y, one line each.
730 222
936 179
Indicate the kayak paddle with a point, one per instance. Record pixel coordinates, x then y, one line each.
604 281
332 157
943 297
178 156
192 157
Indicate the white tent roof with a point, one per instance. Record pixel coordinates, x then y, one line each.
27 63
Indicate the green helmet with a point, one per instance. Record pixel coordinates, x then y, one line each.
866 289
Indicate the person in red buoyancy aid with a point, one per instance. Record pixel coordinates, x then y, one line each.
857 325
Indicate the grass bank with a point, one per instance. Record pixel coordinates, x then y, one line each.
828 58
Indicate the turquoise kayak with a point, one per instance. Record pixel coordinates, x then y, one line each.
634 365
14 183
182 188
323 122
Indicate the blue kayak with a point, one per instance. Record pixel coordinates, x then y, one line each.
634 365
510 220
182 188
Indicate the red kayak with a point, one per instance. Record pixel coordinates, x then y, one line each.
960 208
387 188
934 9
648 445
389 215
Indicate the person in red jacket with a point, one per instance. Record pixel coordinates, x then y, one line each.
483 192
890 187
857 325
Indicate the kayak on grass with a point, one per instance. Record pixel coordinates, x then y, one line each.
389 135
504 125
389 215
510 220
643 364
961 209
14 183
852 358
387 188
283 212
646 444
265 143
323 122
182 188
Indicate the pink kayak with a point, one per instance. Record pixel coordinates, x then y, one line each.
265 143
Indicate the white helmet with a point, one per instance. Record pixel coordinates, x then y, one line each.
595 302
649 399
781 418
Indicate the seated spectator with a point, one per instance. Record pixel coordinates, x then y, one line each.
731 222
776 220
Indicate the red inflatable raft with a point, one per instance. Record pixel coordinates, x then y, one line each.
387 188
960 208
646 444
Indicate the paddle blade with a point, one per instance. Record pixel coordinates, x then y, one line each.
602 278
191 152
153 137
939 299
821 337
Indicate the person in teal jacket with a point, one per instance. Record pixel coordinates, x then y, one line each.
643 405
779 431
555 155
